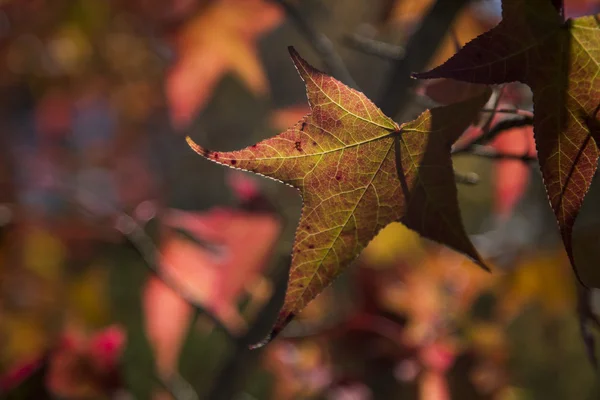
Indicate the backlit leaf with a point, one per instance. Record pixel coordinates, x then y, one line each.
560 61
358 171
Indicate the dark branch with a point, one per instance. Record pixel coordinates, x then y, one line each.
490 152
493 132
144 244
468 178
374 47
516 111
560 7
420 49
320 43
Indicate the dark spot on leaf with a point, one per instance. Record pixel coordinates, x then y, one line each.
338 177
233 162
303 126
253 146
308 227
216 156
314 143
311 246
298 146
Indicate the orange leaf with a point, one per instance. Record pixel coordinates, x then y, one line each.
235 252
512 176
220 39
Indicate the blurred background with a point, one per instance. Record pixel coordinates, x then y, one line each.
132 268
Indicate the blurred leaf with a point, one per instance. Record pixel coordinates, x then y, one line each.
231 251
45 254
512 176
540 348
83 366
220 39
391 242
30 379
544 280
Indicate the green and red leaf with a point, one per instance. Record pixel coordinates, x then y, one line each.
357 171
560 61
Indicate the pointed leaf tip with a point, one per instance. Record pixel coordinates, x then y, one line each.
304 68
293 52
196 147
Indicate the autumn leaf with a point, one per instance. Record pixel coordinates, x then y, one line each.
512 176
560 61
237 244
240 245
220 39
358 171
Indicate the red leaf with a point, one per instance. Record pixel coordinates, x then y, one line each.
235 250
512 176
220 39
559 61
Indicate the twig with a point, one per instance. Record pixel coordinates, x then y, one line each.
138 237
493 133
320 43
490 152
180 389
587 320
516 111
245 352
560 7
455 40
496 96
374 47
143 243
468 178
419 51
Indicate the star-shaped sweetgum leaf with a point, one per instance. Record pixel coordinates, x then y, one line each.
358 171
560 61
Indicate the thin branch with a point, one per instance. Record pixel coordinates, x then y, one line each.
496 96
180 388
374 47
493 133
245 352
516 111
138 237
502 126
490 152
468 178
420 49
320 43
455 40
